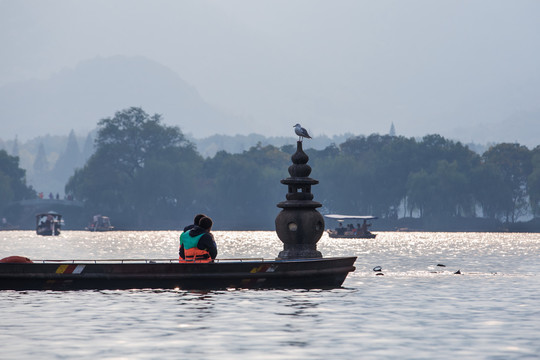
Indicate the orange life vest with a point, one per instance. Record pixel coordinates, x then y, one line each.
195 255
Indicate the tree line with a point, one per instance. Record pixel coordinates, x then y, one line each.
144 174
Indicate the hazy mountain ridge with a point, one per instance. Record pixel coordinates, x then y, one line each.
78 98
522 128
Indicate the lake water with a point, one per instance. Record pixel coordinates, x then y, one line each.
416 310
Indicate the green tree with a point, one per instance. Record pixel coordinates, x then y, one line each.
390 168
245 187
142 171
343 184
490 191
419 190
381 165
440 183
533 182
453 197
12 181
511 164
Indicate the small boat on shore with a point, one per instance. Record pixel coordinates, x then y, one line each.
349 231
48 224
20 273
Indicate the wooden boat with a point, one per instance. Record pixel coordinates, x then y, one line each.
351 232
19 273
48 224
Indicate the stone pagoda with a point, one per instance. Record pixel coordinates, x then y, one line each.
299 225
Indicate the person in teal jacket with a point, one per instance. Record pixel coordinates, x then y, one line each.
198 243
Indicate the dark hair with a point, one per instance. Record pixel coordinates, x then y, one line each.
198 218
206 223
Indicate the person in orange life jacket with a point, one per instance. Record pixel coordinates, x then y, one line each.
198 217
197 244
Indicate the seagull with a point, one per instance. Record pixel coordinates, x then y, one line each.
301 132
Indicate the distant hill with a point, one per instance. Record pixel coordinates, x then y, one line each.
78 98
522 128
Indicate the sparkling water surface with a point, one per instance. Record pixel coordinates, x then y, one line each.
416 310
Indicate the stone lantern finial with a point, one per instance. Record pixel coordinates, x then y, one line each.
299 225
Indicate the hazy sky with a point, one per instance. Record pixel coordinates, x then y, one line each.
335 66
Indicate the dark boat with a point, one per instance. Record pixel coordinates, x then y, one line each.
100 223
334 235
351 232
48 224
19 273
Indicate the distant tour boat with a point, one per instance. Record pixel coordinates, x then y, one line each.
100 223
349 231
48 224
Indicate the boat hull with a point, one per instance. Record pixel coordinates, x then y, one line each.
48 233
323 273
100 229
336 236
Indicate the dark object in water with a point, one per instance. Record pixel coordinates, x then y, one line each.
377 268
379 274
320 273
441 265
458 272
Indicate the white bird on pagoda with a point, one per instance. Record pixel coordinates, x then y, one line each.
301 132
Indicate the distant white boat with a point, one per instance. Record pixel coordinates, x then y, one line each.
350 231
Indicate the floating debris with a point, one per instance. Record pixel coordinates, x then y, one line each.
377 268
441 265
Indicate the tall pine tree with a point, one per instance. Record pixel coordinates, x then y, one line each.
88 149
68 160
41 164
